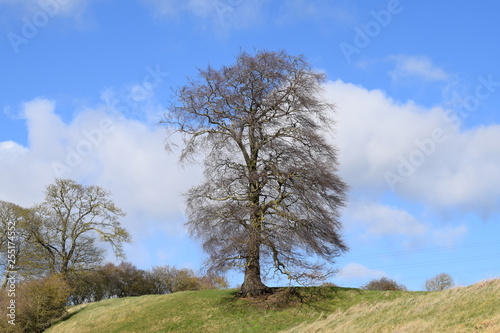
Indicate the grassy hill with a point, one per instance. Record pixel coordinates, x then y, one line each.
471 309
322 309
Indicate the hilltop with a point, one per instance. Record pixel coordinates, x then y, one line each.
312 309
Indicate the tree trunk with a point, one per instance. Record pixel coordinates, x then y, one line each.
252 285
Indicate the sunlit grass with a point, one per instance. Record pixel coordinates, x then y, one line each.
320 309
471 309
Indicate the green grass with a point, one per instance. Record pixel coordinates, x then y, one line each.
312 309
471 309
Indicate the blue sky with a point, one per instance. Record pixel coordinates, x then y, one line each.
83 84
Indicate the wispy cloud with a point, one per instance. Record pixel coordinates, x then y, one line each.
223 16
416 67
219 16
334 12
355 271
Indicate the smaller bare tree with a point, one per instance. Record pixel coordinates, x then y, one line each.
67 226
17 250
439 282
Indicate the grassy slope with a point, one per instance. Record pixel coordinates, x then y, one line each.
471 309
219 311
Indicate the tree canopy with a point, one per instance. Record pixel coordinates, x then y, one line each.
62 233
271 197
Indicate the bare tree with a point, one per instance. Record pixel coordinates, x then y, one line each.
270 199
12 251
67 225
20 257
439 282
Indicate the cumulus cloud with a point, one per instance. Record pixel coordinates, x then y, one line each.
419 67
419 153
11 151
379 219
372 129
374 221
99 146
374 134
469 174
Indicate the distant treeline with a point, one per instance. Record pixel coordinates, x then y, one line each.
125 279
35 304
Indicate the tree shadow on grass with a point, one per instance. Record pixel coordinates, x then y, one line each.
321 299
68 315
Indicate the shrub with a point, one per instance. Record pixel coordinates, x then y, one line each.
38 304
185 279
213 281
126 280
383 284
87 286
439 282
160 279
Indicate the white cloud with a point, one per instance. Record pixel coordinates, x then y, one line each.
373 221
11 151
448 235
354 271
373 132
419 67
223 16
469 174
378 219
219 15
100 147
378 136
340 12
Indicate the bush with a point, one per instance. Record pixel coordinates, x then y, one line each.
38 303
383 284
213 281
126 280
167 279
87 286
185 279
439 282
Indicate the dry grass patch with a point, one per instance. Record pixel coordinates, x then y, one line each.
468 309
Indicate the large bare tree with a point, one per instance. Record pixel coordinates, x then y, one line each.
270 199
